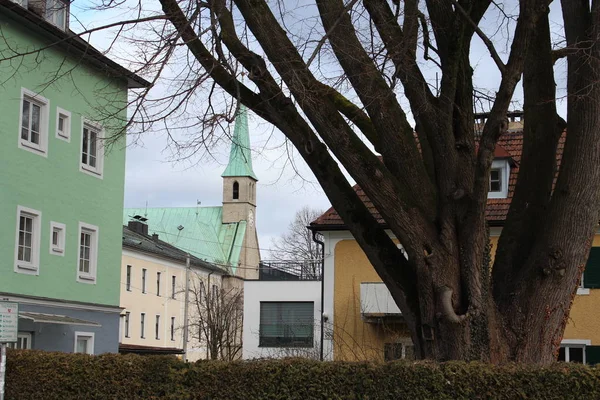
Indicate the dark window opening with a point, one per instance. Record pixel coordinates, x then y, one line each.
236 190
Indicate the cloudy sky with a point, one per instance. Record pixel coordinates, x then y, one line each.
285 182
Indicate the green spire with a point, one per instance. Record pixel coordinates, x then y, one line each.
240 159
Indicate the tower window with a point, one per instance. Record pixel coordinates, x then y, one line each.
236 190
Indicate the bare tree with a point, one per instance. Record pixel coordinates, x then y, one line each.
297 243
332 86
216 318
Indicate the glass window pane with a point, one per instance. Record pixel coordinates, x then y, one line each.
81 345
27 254
28 224
24 133
61 123
25 114
561 354
35 118
27 239
576 354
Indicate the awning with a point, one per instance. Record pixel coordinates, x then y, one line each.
55 319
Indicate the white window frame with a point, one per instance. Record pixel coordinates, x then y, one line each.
581 290
89 277
44 104
32 267
98 170
51 17
504 167
90 343
58 250
20 337
579 343
65 134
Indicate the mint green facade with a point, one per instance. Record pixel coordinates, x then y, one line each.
53 184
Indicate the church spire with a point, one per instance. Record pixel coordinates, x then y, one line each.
240 158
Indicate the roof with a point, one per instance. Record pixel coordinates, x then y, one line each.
70 42
55 319
240 159
202 232
137 241
510 145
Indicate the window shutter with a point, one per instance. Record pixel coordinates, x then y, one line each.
591 275
592 355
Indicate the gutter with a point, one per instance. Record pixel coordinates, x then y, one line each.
315 233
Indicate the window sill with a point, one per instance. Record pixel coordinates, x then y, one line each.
58 250
583 291
63 136
90 171
87 279
28 268
32 148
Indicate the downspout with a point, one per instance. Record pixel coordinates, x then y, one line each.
209 306
322 289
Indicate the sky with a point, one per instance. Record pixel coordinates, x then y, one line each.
285 182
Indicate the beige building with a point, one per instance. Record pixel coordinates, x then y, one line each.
153 283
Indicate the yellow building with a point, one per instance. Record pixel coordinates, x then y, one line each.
362 320
153 284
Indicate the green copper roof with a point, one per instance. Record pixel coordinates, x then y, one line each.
202 233
240 158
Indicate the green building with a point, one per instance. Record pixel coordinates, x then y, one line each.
61 184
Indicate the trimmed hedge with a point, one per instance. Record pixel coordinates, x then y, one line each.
48 376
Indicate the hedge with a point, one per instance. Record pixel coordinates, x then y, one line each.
48 376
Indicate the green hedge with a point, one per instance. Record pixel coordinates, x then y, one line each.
41 375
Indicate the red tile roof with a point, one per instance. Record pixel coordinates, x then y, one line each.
510 145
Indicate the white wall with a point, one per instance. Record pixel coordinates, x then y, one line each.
257 291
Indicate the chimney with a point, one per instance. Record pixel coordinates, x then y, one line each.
138 227
154 236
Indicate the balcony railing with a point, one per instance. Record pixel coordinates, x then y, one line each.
305 270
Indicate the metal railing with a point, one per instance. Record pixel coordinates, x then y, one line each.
292 270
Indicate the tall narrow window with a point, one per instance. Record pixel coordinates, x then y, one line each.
158 283
142 322
63 124
128 282
236 190
28 240
33 133
56 13
91 149
144 280
57 238
127 315
173 282
157 327
172 328
88 252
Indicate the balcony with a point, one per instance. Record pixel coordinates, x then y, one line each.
306 270
377 303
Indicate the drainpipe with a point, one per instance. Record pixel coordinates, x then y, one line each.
322 288
185 306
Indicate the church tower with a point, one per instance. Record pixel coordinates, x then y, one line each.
239 194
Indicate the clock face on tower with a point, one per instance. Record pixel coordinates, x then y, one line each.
251 219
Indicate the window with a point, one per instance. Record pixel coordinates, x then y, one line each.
215 292
127 316
92 152
572 351
128 279
27 249
63 124
173 281
499 175
57 238
397 351
172 328
56 13
158 283
286 324
236 190
142 321
144 280
23 341
581 289
157 327
33 134
84 342
88 253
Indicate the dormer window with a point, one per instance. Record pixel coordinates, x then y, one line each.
499 175
56 13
